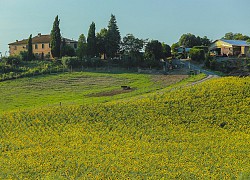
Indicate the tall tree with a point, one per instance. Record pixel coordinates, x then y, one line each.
91 41
236 36
101 39
229 36
81 47
131 48
198 41
166 50
30 49
205 41
188 40
153 53
131 45
55 41
113 38
174 47
239 36
63 48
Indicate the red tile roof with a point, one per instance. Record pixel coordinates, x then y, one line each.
38 39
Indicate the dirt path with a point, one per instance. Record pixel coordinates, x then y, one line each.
203 80
194 83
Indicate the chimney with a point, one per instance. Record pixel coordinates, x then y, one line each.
39 34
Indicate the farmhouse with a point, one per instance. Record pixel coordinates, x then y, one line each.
224 47
40 43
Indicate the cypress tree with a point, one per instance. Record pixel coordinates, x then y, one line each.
81 47
30 49
55 41
101 39
63 48
113 38
91 41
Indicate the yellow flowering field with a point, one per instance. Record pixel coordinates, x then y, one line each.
198 132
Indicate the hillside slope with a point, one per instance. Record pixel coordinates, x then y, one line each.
78 88
199 132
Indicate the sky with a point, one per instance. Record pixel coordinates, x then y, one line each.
163 20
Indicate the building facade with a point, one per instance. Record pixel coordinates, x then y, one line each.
40 44
224 47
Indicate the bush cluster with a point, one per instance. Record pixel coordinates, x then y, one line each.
75 62
197 54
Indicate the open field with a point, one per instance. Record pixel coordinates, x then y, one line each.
197 132
79 88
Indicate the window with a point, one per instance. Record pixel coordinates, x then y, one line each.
36 46
75 46
15 48
42 46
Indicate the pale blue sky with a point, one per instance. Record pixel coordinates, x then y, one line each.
164 20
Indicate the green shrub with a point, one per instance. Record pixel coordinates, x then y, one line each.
71 62
208 60
96 62
12 60
11 75
69 51
205 48
213 64
56 62
197 54
24 55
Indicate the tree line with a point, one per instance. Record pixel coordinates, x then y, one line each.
109 45
129 51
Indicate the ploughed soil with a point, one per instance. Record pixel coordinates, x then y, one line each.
166 80
161 80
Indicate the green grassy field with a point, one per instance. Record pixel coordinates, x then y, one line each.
79 88
196 132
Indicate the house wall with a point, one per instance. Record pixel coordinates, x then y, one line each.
42 48
16 49
38 49
225 50
228 49
245 50
224 47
